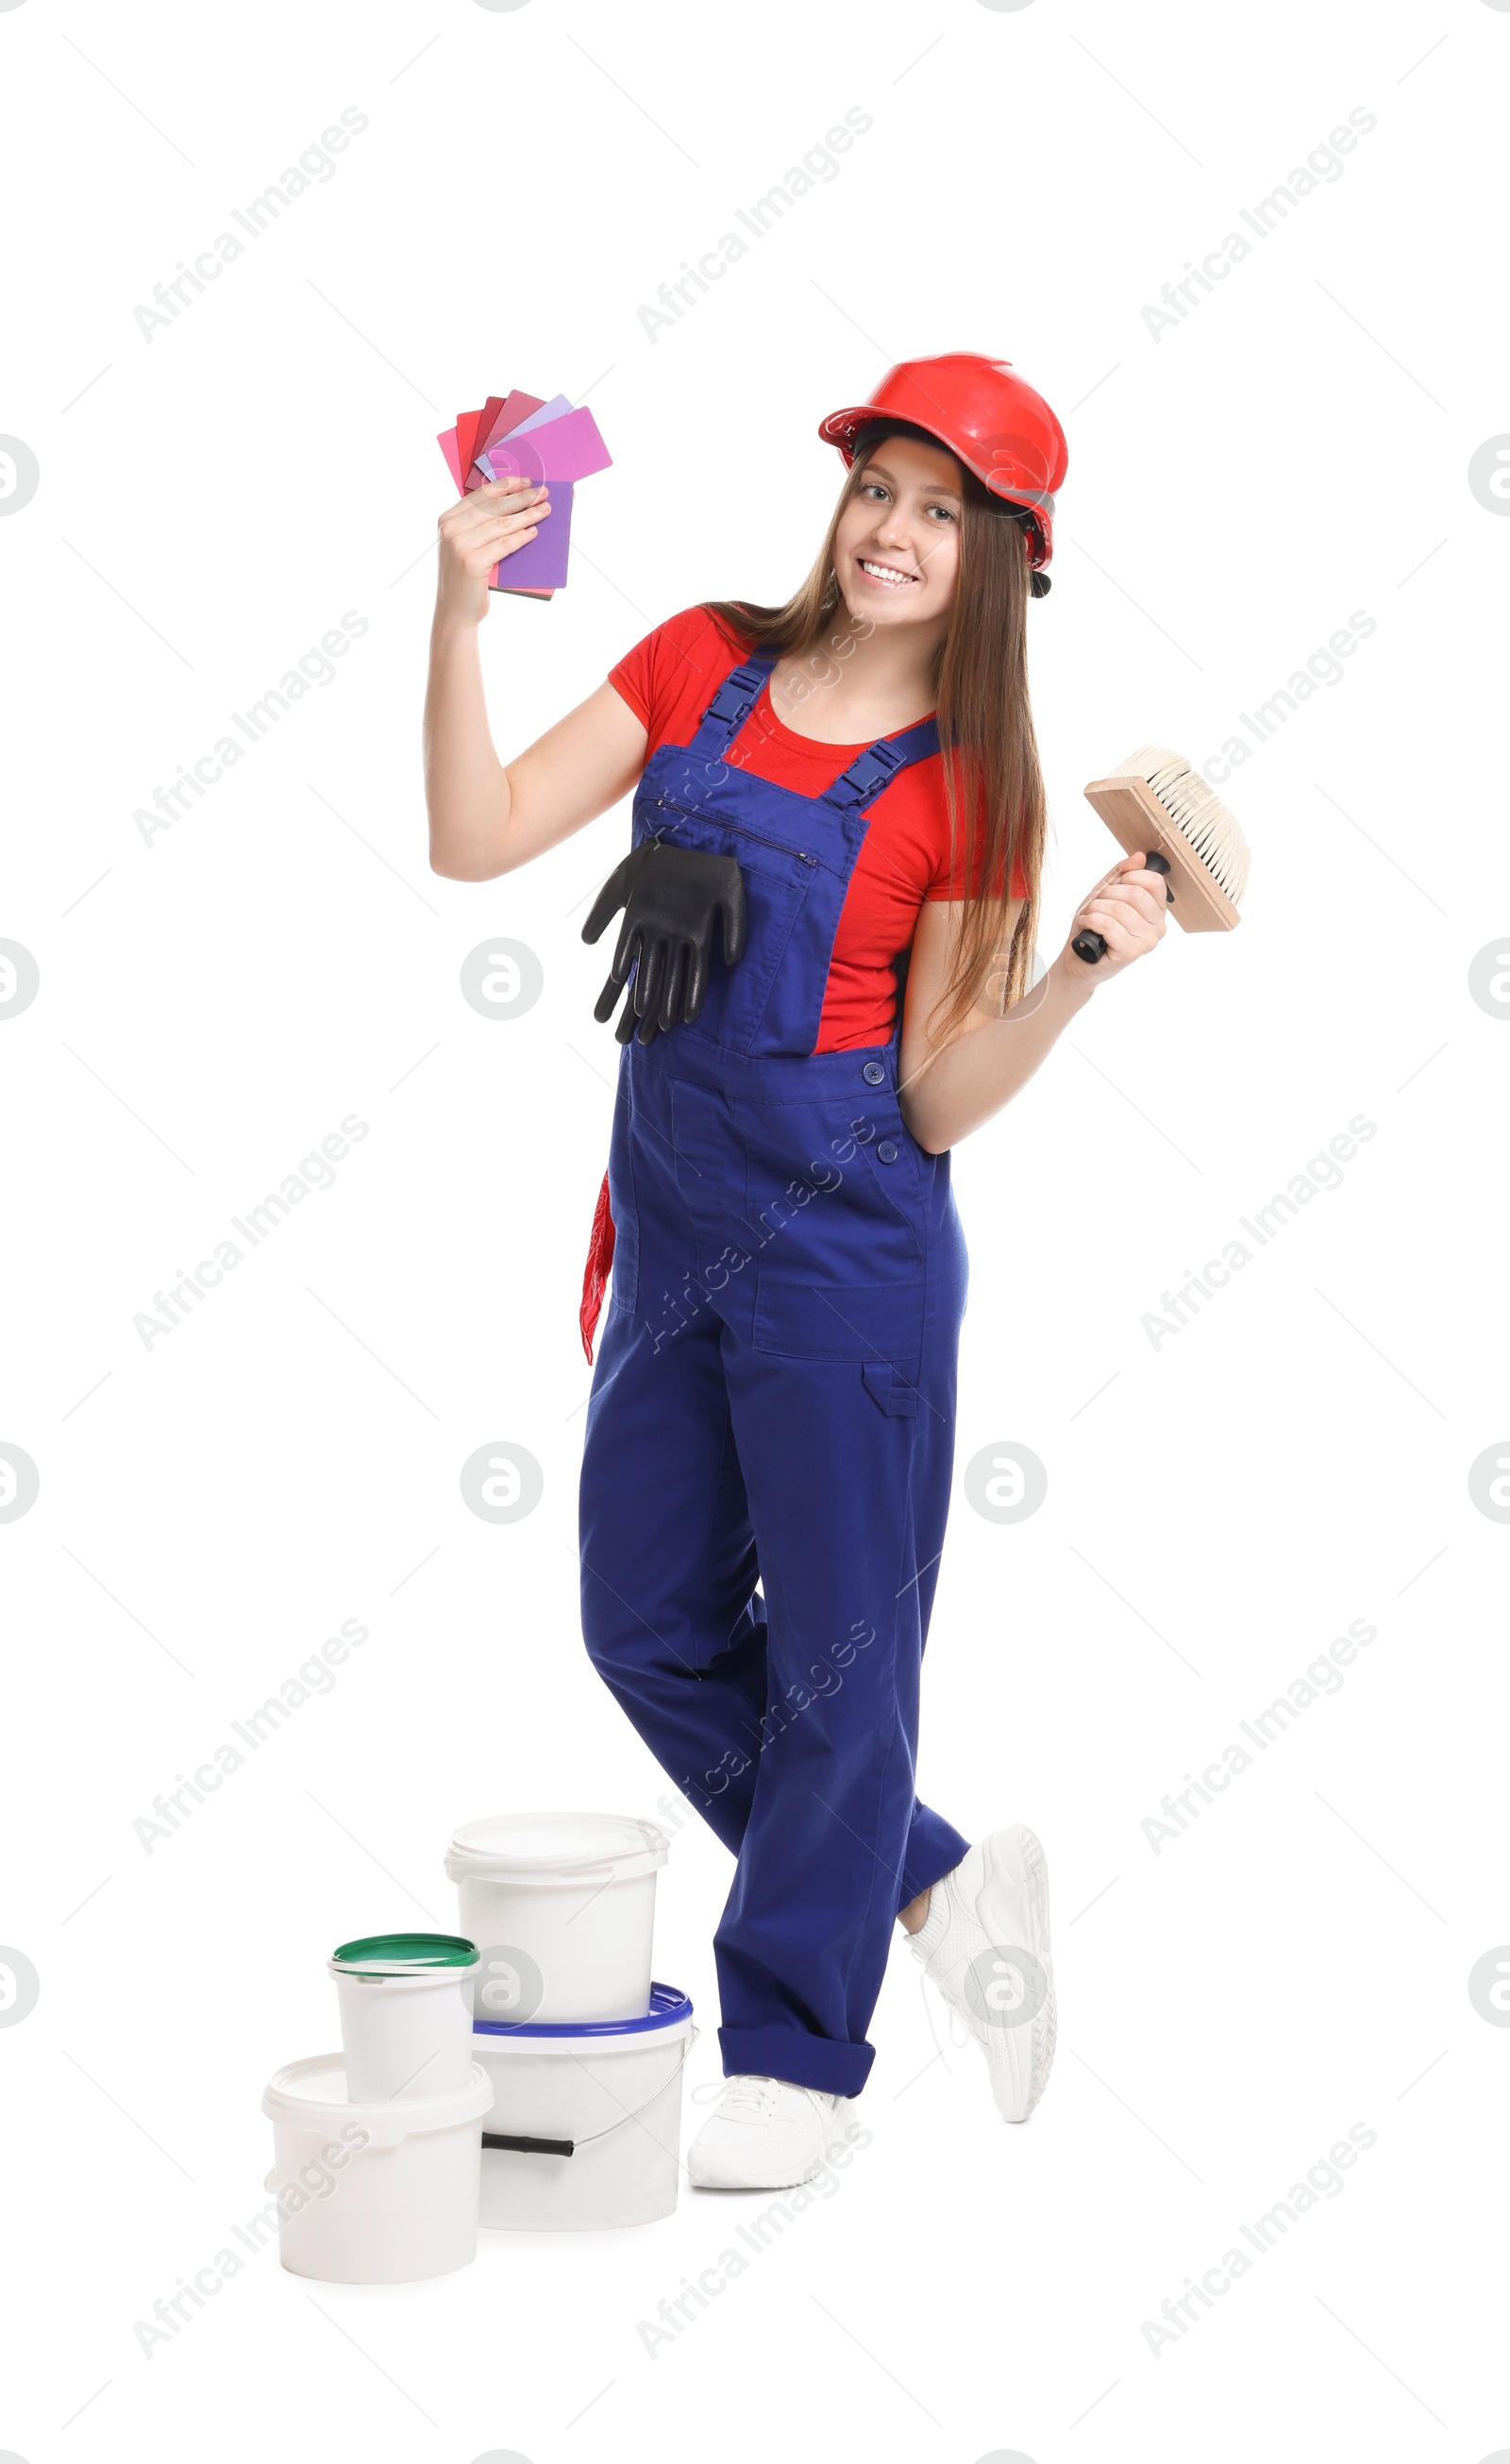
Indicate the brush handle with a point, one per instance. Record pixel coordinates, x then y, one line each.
1092 946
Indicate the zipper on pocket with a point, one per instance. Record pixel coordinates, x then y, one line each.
742 827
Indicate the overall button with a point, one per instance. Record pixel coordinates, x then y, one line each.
885 1152
873 1074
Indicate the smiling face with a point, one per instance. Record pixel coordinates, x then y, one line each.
896 549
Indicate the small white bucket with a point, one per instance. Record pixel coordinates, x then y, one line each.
406 2013
599 2107
561 1907
371 2193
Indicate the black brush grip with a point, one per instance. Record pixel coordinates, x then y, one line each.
1092 946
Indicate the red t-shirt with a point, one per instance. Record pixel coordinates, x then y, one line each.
668 680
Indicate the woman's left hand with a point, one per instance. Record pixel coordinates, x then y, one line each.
1128 908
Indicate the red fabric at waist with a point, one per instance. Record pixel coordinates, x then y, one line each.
595 1274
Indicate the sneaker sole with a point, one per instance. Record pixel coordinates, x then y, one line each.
707 2175
1014 1908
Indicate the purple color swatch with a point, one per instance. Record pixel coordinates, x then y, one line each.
541 564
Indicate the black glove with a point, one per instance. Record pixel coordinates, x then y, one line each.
671 897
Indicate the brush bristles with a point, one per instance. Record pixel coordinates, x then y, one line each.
1202 820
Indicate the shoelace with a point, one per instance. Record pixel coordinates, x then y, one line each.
741 2099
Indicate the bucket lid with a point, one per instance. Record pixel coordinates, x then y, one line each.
530 1848
313 2092
403 1954
669 2007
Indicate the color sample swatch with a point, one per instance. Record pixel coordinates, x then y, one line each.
515 407
519 435
540 563
568 448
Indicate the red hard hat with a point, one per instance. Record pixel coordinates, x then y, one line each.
988 417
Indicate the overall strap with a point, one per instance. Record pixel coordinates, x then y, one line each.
730 706
876 767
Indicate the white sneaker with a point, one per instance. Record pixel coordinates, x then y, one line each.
765 2135
985 1944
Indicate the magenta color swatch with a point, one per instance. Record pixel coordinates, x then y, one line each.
564 448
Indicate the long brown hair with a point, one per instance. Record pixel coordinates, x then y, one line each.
993 781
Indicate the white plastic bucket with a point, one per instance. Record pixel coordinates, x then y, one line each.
609 2093
406 2013
371 2193
561 1907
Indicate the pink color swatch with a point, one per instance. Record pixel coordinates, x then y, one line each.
569 448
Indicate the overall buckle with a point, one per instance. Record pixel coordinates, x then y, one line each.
865 777
736 695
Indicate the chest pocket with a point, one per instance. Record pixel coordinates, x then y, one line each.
796 854
786 885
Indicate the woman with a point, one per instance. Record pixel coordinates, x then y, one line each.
847 790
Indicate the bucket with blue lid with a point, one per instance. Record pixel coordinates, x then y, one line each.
584 2131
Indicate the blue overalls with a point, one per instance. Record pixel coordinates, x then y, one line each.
774 1404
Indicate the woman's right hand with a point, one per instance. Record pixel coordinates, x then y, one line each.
1127 909
475 533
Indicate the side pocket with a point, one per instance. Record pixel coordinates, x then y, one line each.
872 1324
896 1181
624 1287
891 1388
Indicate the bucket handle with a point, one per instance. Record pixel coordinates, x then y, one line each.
568 2146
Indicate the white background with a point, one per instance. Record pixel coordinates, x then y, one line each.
213 1002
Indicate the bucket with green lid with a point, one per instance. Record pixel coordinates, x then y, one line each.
406 2013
